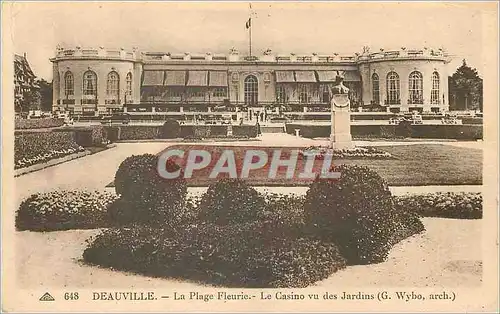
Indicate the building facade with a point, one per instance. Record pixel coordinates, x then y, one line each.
101 81
24 85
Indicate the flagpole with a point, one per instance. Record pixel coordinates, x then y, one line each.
250 29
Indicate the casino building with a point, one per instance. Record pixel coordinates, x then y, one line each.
93 82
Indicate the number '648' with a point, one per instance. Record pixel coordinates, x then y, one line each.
71 296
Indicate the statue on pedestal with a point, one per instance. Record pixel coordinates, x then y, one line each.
340 137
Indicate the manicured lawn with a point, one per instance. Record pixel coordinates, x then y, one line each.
428 165
414 165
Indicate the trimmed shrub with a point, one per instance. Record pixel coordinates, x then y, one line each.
231 201
40 147
147 197
170 129
443 205
285 211
64 210
245 130
232 256
356 212
387 131
404 129
38 123
138 132
99 135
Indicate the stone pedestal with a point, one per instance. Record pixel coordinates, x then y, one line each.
340 137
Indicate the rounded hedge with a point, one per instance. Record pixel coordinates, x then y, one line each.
235 255
145 195
231 201
355 211
64 210
170 129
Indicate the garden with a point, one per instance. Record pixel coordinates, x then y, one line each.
398 165
234 236
32 147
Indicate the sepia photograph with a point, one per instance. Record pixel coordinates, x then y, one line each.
173 156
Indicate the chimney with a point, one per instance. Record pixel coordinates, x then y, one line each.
25 55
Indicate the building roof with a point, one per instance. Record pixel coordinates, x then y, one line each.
21 65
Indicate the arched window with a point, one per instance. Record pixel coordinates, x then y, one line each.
68 84
393 89
415 88
435 88
251 90
113 85
325 94
375 89
90 84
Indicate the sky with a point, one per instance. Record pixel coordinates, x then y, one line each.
300 27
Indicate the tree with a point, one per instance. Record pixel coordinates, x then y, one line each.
46 94
32 100
466 89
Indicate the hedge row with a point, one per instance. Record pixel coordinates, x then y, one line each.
88 136
38 147
141 132
471 120
38 123
444 205
286 210
459 132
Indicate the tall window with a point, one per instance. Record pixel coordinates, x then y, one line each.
280 94
393 88
69 84
128 87
219 92
415 88
113 85
375 88
251 90
435 88
90 84
303 93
